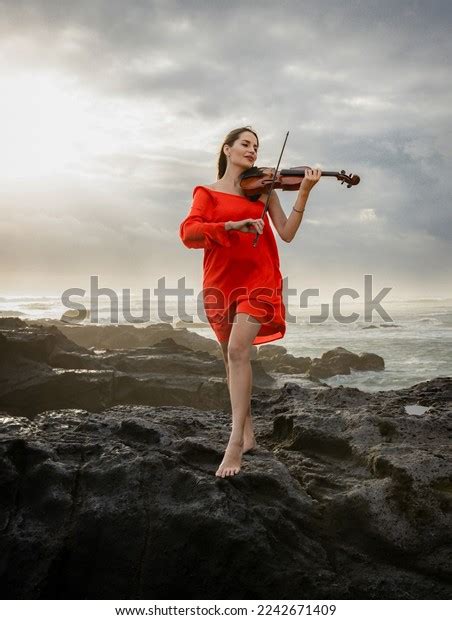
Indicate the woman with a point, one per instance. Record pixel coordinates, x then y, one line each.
243 281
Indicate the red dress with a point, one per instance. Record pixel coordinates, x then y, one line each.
237 276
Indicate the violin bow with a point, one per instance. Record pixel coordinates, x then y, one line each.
271 188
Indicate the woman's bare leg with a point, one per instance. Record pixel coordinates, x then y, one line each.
244 330
249 440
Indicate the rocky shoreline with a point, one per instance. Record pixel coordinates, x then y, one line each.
109 440
50 364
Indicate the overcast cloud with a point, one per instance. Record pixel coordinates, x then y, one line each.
113 111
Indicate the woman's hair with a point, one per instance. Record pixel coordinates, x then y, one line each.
229 140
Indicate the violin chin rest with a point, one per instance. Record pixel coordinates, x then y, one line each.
251 172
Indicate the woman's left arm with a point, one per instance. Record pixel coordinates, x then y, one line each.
288 226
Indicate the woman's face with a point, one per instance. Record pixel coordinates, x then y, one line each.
244 150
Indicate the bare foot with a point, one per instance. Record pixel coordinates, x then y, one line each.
232 460
252 445
249 441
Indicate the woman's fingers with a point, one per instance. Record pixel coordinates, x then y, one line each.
316 174
251 225
313 174
259 225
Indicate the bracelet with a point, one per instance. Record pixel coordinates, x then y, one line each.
302 211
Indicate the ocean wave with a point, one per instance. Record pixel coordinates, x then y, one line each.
25 299
37 306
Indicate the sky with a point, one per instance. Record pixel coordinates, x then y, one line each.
111 112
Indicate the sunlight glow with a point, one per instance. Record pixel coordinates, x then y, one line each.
51 126
42 126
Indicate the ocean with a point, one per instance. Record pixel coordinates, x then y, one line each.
416 346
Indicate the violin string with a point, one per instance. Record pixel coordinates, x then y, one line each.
271 187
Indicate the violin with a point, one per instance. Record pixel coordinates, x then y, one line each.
256 181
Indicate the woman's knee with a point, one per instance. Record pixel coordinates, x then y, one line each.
238 352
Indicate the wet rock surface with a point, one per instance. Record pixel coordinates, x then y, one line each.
338 361
347 495
40 368
127 336
46 364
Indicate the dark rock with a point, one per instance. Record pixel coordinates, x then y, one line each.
322 369
11 323
340 361
346 497
274 358
40 368
35 343
105 499
129 336
288 364
189 324
268 351
369 361
438 390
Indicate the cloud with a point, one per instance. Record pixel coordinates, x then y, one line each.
152 87
367 215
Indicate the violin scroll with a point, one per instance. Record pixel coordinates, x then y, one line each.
351 179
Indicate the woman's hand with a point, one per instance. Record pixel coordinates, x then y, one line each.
248 226
311 177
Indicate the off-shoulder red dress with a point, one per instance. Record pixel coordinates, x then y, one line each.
237 276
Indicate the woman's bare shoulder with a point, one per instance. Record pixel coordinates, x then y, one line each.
204 187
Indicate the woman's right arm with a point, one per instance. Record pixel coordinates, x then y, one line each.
195 232
198 231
